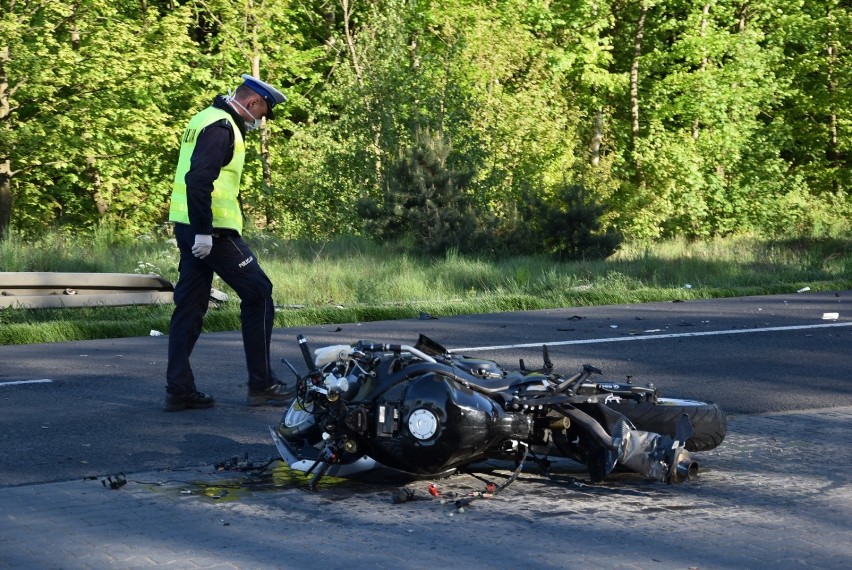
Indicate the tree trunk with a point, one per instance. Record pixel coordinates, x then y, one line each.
350 41
359 77
634 90
634 72
5 161
706 12
832 153
5 198
97 185
742 17
265 167
597 139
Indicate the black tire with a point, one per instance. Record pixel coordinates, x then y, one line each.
707 418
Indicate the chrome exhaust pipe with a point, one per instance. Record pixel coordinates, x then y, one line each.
657 456
685 469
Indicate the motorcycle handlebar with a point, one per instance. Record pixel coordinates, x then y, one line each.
379 347
306 354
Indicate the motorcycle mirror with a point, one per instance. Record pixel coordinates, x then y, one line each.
548 365
430 347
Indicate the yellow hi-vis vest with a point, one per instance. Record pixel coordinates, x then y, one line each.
226 188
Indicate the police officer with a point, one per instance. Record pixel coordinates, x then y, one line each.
208 225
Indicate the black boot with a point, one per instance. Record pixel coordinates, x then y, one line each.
176 402
274 395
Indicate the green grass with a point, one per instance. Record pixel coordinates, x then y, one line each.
352 280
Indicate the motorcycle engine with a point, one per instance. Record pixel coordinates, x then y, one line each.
431 424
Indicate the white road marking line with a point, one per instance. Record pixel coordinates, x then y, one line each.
649 337
19 382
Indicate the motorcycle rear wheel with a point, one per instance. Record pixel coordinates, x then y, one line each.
707 418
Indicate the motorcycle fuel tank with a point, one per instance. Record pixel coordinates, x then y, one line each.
437 424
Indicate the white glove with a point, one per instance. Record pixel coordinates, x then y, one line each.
203 246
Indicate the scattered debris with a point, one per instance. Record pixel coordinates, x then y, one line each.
217 295
156 333
117 483
426 316
830 316
404 495
803 290
237 464
455 500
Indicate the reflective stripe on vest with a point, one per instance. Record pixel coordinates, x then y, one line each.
226 188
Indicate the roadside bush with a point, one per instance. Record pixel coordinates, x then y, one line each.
571 227
425 202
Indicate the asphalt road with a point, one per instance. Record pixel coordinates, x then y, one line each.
91 409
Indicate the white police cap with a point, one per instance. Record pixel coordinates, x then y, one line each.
270 94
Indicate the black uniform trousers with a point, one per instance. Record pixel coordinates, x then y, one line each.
233 261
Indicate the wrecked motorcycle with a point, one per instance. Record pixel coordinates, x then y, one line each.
423 412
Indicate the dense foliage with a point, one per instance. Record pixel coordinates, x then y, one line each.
672 118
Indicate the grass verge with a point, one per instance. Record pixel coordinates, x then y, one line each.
351 280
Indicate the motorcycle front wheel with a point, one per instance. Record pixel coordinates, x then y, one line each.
661 416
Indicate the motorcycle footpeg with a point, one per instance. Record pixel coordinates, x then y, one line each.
320 472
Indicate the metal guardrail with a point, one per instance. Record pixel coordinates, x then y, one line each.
41 290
